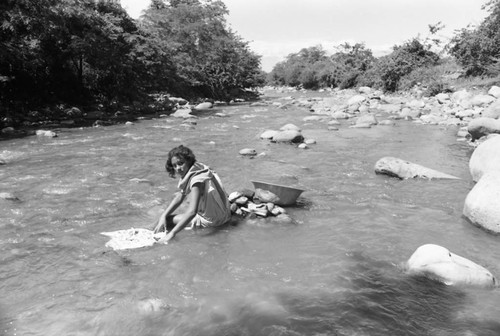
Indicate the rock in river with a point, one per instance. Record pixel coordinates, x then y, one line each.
438 263
404 169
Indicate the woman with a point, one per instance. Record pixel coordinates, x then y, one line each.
208 203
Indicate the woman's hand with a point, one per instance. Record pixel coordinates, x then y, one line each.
165 239
162 224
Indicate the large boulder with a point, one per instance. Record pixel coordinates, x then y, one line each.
443 98
438 263
480 127
462 98
494 91
482 100
404 169
486 157
481 205
368 119
492 111
356 100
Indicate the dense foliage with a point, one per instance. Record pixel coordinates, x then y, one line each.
90 53
352 65
478 49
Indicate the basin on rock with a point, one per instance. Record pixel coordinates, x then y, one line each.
275 193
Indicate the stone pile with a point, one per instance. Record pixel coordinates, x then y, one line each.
246 203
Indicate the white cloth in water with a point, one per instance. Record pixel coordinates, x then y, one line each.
132 238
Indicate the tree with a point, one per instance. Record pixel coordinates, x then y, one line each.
210 59
477 49
350 62
402 61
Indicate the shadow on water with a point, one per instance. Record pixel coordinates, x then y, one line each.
377 298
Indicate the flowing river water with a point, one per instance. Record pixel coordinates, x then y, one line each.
335 270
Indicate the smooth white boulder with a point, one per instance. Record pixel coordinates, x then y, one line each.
438 263
404 169
480 127
204 106
482 204
486 157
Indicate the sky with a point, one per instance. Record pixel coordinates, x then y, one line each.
277 28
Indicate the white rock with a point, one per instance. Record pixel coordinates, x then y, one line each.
438 263
486 157
494 91
290 127
269 134
481 204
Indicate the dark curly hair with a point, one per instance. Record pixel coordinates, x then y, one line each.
182 153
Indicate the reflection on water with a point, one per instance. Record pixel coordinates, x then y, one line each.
334 271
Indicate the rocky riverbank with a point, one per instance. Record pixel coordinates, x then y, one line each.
474 114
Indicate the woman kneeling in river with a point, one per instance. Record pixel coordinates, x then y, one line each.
208 203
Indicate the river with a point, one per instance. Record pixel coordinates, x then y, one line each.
336 269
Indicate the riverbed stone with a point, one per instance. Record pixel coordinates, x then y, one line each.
203 106
486 157
248 152
334 122
8 196
356 100
492 111
494 91
234 196
463 133
45 133
178 100
182 113
310 141
288 136
340 115
367 118
386 122
361 125
403 169
268 134
409 113
480 127
443 98
290 127
314 118
481 204
438 263
482 100
462 98
431 119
